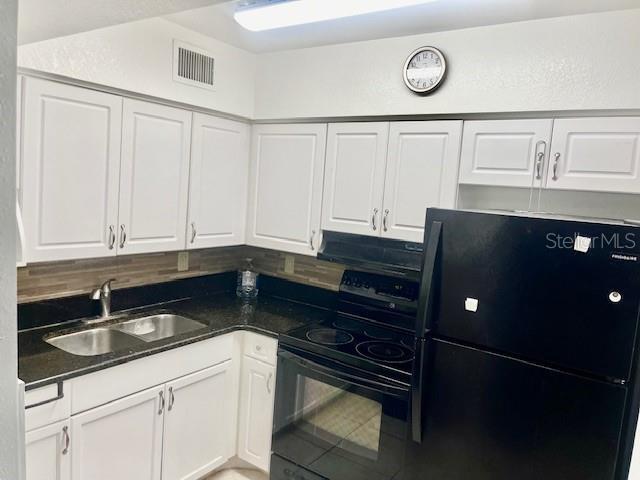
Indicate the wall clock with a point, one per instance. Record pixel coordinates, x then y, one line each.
425 70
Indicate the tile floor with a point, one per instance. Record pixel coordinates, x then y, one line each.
238 474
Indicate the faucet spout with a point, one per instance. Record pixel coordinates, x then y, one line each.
103 293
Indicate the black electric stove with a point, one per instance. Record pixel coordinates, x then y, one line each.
373 328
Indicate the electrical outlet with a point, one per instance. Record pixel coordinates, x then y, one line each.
183 261
289 264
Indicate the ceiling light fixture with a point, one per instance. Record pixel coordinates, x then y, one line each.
278 14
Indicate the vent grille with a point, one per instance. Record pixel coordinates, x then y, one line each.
193 66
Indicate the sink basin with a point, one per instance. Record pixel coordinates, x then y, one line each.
95 341
156 327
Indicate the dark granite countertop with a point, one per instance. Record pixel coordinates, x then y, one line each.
40 363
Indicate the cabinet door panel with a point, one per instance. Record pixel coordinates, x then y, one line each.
155 177
70 170
504 152
596 154
285 187
122 439
256 412
46 457
218 182
198 434
354 180
422 172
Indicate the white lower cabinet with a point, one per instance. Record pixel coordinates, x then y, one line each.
257 394
47 454
122 439
198 423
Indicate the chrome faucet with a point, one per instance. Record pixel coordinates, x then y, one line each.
104 295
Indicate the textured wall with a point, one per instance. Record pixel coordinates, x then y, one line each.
580 62
9 436
138 56
76 277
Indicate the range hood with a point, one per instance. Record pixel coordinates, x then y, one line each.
378 255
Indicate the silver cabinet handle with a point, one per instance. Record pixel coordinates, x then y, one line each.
123 236
172 399
540 158
313 234
67 439
269 382
373 219
161 408
193 232
555 166
384 220
112 237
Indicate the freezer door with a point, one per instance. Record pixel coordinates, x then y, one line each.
525 286
489 417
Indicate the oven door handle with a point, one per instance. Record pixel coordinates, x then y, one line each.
380 387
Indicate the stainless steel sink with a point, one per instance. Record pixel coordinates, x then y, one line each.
156 327
95 341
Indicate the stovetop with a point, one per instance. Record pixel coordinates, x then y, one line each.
358 342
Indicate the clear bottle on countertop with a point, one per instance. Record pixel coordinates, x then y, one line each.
247 281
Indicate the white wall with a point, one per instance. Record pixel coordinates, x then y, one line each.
138 56
8 338
571 63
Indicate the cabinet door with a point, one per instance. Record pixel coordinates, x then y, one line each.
122 439
256 412
285 187
597 154
70 170
198 428
422 172
508 153
155 178
356 156
218 182
48 451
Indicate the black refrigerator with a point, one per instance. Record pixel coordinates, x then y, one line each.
526 342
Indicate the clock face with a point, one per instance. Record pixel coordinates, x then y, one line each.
424 70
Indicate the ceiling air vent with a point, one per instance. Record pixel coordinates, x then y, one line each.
192 65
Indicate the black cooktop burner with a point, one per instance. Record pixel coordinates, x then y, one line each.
385 351
329 336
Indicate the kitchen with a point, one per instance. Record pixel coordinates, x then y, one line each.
217 214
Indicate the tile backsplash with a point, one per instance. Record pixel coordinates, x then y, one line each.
43 281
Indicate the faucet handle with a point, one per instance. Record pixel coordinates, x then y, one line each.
96 293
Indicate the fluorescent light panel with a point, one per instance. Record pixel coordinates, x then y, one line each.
299 12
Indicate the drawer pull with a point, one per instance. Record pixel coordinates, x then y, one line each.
59 396
67 440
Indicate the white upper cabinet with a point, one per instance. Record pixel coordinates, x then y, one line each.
218 182
422 172
285 187
508 153
70 171
354 177
198 423
154 180
596 154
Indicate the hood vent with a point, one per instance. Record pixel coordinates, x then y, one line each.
192 65
373 254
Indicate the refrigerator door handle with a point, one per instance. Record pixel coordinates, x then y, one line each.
417 387
432 243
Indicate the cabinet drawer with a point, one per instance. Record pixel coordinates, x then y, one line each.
49 412
98 388
261 347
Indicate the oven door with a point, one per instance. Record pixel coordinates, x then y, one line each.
336 421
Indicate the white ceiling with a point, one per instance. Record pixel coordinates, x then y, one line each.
217 21
43 19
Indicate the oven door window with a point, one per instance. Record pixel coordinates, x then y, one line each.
339 428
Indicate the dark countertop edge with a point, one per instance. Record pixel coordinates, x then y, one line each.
146 353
